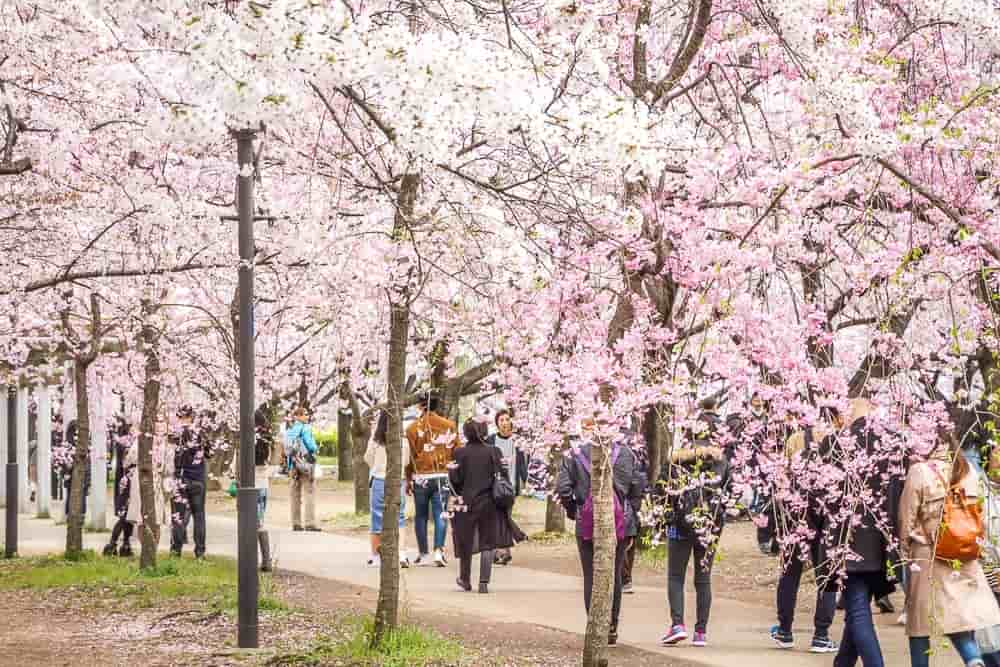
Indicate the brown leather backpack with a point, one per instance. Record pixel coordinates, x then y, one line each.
962 531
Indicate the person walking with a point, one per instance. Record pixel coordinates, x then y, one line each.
642 470
503 440
122 440
300 461
573 489
868 535
478 524
263 446
695 481
433 440
191 450
802 450
375 457
948 593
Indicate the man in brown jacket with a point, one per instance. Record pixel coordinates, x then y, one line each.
432 440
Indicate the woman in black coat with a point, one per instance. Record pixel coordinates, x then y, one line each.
478 526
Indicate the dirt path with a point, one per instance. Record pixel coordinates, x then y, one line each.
543 587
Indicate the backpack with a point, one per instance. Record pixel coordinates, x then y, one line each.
962 530
586 516
302 460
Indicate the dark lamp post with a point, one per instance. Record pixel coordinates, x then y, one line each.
246 502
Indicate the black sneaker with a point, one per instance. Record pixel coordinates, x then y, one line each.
125 551
613 637
885 606
297 529
110 551
823 645
783 639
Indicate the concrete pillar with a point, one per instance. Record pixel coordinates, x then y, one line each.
44 398
97 504
23 496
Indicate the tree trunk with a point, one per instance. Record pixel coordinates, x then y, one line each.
596 640
387 612
149 538
555 515
345 458
81 461
361 432
658 438
359 441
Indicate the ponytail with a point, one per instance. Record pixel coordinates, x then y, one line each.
959 465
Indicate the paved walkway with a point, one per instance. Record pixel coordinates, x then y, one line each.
738 631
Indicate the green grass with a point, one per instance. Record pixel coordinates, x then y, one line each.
543 537
349 520
652 557
211 581
407 646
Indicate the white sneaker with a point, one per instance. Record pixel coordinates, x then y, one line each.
374 561
423 560
902 619
439 559
404 562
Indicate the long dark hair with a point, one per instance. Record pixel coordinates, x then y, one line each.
382 428
960 465
475 431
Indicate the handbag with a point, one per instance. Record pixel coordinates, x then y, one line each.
503 491
962 530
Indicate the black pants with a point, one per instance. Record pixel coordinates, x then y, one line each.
188 503
485 567
629 560
788 592
678 555
122 528
586 548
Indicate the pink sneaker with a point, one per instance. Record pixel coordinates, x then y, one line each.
674 635
700 639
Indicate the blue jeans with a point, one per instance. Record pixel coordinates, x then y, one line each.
964 643
859 640
261 507
377 505
430 497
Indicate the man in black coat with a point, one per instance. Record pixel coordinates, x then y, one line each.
872 565
190 453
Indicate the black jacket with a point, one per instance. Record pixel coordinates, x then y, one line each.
871 539
693 483
190 453
478 524
573 486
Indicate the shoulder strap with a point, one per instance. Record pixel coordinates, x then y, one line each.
581 459
937 473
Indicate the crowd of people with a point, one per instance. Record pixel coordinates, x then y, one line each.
898 519
913 520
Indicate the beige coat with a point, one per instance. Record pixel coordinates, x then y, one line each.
942 599
162 479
